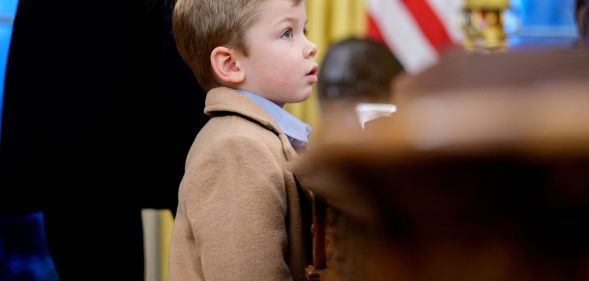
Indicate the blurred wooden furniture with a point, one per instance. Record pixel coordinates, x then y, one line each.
482 174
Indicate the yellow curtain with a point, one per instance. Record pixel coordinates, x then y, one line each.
329 21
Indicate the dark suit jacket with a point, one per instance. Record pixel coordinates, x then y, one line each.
99 113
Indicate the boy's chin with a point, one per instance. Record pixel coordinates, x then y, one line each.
301 98
296 96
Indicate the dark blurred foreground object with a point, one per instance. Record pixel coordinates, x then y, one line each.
99 113
481 175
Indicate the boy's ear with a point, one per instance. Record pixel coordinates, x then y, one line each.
224 63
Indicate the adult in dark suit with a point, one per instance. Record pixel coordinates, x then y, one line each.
99 113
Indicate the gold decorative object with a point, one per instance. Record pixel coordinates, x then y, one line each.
483 25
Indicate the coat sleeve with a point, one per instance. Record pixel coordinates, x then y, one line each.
237 208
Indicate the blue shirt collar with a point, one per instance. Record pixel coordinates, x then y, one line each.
296 130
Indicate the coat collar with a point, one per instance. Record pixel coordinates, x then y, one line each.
222 101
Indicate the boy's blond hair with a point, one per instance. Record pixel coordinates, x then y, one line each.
199 26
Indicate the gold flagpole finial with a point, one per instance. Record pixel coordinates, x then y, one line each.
483 25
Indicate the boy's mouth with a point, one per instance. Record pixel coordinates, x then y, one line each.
313 70
312 75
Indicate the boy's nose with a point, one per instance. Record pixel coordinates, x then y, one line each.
310 50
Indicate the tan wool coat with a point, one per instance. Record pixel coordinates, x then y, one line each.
239 211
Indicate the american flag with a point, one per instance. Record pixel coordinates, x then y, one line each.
417 31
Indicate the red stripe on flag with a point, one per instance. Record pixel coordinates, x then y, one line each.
429 23
373 31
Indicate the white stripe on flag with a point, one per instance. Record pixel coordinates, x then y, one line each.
402 34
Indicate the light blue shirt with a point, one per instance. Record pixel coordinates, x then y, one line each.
296 130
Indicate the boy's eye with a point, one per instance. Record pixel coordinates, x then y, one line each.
287 33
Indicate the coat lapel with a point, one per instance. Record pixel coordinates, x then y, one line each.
224 100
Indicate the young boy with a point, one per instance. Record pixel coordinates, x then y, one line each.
239 215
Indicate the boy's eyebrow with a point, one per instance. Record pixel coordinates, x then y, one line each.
292 20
